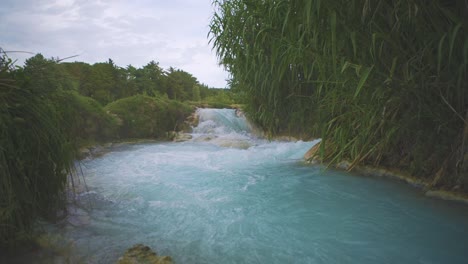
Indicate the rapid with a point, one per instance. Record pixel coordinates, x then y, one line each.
228 196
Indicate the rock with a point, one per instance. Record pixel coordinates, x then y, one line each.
84 153
205 138
312 154
343 165
97 150
141 254
231 143
187 126
93 151
239 112
180 137
193 119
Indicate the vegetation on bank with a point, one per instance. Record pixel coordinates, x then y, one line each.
382 82
142 116
48 110
35 153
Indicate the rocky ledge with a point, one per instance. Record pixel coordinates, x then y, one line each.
141 254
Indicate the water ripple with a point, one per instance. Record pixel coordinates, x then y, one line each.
205 203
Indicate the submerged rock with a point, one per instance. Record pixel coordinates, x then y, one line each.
232 143
204 138
141 254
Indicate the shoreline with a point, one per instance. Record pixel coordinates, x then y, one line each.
421 184
366 170
100 149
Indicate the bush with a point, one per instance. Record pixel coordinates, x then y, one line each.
84 119
142 116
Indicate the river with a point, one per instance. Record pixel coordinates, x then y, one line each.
226 196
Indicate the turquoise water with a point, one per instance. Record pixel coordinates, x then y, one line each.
228 197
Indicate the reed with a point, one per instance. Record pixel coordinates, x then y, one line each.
384 82
35 158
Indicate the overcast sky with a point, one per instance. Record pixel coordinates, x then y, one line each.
171 32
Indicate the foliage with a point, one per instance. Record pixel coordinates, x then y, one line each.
35 156
84 119
220 98
224 96
143 116
104 82
50 109
377 80
180 85
149 80
107 82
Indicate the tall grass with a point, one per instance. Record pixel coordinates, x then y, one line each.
383 82
35 158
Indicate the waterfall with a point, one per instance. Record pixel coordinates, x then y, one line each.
227 196
224 127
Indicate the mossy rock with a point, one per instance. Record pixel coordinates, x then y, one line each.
141 254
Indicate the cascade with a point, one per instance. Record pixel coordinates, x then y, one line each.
224 127
227 196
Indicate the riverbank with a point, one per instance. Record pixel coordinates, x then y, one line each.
102 148
193 200
426 186
186 199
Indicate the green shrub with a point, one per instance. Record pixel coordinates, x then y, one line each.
143 116
84 119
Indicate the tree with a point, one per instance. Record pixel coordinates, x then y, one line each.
180 84
196 93
151 79
43 75
104 82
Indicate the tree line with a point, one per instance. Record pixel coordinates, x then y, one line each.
106 82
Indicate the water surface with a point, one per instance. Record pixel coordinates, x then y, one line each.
229 197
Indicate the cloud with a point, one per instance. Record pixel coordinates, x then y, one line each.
173 33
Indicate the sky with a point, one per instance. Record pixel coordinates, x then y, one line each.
171 32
